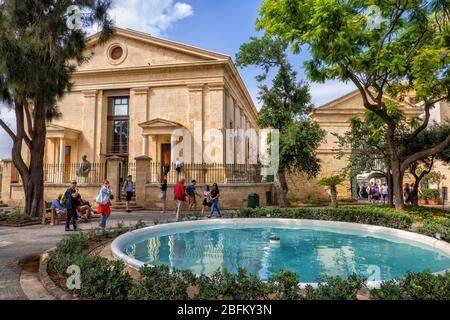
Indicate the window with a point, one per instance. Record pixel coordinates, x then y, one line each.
118 125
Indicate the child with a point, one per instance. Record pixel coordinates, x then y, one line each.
206 199
104 203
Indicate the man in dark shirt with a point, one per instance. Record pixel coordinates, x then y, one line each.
72 202
192 193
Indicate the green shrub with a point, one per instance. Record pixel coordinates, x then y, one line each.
285 285
336 288
414 286
312 200
102 279
223 285
432 229
16 216
346 214
431 194
159 283
68 252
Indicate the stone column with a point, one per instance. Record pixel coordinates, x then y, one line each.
89 124
138 114
6 180
61 161
113 175
145 145
142 177
61 150
216 115
196 127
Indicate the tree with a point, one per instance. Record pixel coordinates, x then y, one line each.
285 106
407 51
40 47
426 139
332 183
365 148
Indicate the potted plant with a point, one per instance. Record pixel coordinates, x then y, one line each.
430 197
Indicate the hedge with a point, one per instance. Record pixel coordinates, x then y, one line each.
344 214
102 279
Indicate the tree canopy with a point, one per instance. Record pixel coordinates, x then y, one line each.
407 52
41 44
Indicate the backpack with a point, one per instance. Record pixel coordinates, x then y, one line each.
63 199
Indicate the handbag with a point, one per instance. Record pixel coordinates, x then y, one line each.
102 198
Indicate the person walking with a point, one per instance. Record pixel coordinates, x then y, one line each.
407 194
163 194
104 198
376 193
178 167
128 188
72 202
384 192
215 195
180 197
369 192
192 194
206 204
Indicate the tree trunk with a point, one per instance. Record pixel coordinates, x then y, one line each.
397 173
281 188
33 174
397 177
390 189
333 196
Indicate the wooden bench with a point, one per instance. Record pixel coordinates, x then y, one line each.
50 214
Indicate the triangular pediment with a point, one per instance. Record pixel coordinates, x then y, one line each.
142 50
160 123
352 104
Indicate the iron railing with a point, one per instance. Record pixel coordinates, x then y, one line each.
64 173
206 173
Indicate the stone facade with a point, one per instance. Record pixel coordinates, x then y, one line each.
133 101
167 86
334 118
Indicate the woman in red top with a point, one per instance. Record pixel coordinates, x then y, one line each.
105 209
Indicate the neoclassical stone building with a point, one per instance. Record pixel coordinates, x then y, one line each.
334 118
136 98
135 90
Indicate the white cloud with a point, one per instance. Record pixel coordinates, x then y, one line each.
5 141
151 16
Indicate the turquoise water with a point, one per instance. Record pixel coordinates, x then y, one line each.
311 253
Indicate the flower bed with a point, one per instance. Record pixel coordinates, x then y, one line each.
108 280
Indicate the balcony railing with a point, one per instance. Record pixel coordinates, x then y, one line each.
206 173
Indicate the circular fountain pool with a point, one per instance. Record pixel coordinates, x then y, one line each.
312 249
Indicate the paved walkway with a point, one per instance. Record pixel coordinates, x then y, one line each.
19 243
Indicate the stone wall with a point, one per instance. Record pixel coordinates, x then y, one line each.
232 196
302 187
52 191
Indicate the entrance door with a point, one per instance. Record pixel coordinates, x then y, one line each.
165 157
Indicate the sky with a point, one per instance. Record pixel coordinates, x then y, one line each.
215 25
